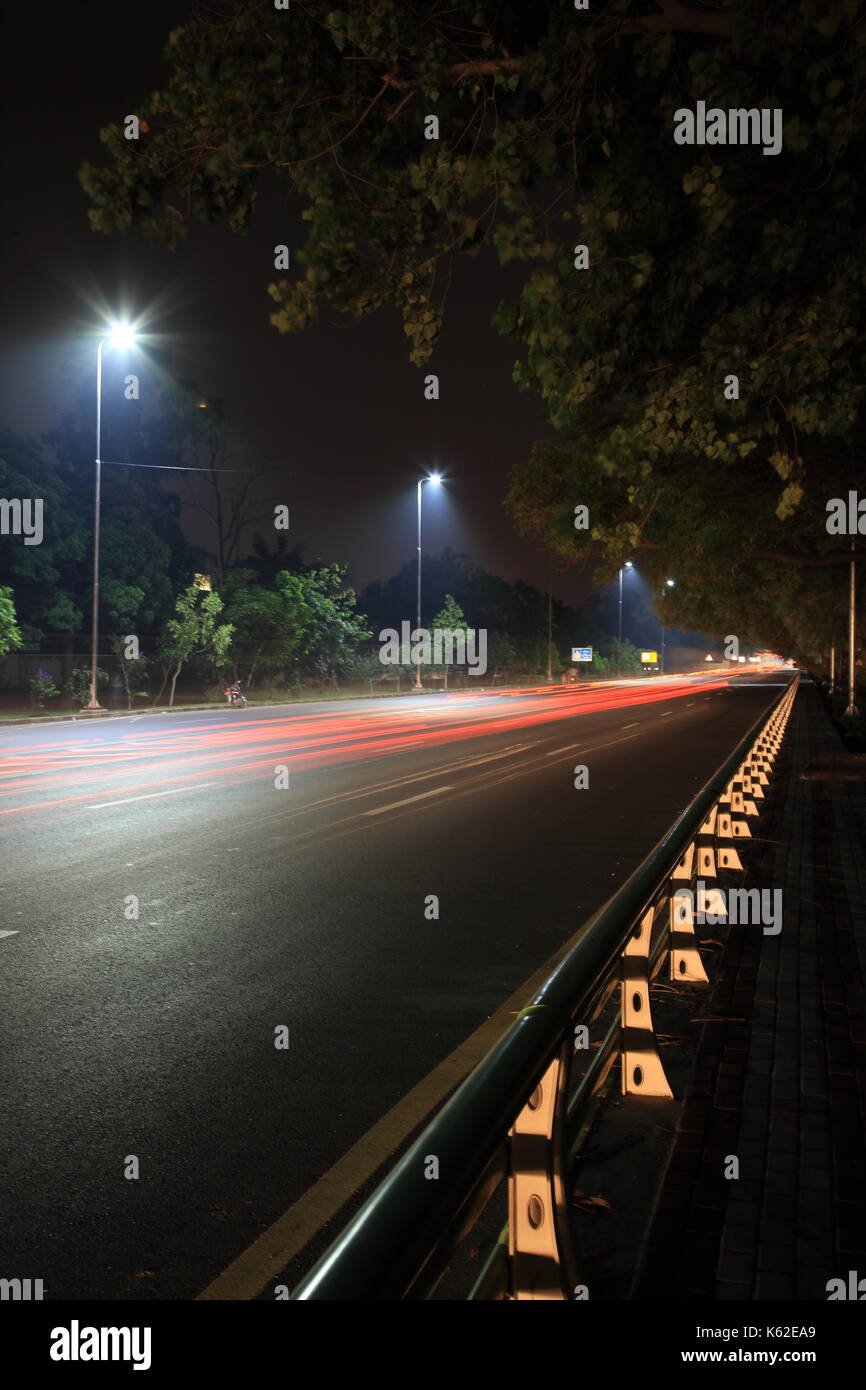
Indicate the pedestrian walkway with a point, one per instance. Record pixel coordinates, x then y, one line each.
780 1077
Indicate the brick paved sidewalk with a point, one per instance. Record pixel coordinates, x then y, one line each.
780 1074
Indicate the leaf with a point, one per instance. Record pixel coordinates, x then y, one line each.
581 1199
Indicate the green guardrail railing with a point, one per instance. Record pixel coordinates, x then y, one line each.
511 1118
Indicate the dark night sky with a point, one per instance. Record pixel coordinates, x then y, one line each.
339 409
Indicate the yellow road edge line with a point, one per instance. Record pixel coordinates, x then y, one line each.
268 1255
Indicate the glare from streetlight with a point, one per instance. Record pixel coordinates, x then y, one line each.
628 565
434 478
669 583
121 336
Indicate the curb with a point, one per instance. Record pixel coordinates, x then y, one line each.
109 714
187 709
340 699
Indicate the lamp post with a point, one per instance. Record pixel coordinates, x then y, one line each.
851 711
433 478
121 336
669 584
626 566
550 621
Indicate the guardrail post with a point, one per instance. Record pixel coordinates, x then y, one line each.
539 1249
728 820
685 959
642 1072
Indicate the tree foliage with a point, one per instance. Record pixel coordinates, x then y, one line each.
515 614
331 630
450 618
556 129
44 578
303 622
194 631
267 625
10 633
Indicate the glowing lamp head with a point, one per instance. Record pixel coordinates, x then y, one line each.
121 336
435 478
669 583
627 565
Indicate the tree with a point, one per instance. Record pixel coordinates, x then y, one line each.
133 670
556 132
45 579
267 563
144 557
194 631
501 655
268 623
10 633
450 619
331 631
305 622
227 491
629 657
514 614
365 666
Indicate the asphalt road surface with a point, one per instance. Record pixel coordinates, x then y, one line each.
177 888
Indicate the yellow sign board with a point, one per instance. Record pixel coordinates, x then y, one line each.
649 658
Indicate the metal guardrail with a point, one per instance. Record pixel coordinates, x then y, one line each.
512 1118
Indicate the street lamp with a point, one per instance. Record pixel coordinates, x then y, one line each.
121 336
669 584
436 480
626 566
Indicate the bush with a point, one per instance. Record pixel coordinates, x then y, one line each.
42 688
78 683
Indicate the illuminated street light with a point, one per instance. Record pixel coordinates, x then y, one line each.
436 479
627 566
120 336
669 584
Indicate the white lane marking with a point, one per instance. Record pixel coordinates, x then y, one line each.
564 749
394 804
150 795
691 702
9 933
491 757
630 726
665 712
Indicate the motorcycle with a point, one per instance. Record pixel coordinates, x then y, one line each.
235 698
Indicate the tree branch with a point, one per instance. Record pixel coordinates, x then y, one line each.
481 67
677 17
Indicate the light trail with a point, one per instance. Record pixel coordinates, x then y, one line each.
239 747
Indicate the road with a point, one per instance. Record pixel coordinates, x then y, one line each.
170 902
